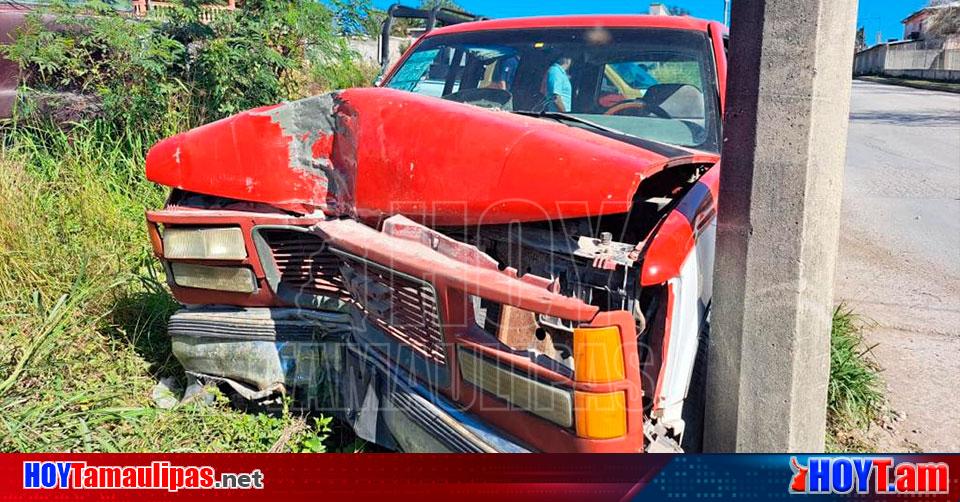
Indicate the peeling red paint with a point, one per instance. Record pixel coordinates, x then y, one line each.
322 145
244 157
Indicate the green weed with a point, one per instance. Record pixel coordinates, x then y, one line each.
855 398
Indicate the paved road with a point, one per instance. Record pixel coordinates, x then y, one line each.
899 259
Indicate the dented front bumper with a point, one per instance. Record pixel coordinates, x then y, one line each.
412 368
259 352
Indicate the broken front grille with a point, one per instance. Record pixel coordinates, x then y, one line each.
402 306
304 263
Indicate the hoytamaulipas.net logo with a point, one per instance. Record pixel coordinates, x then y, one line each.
872 475
156 476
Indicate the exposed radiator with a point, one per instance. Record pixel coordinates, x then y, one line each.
305 264
403 307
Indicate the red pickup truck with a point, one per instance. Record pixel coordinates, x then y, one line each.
505 246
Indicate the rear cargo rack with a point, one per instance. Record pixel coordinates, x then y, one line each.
442 16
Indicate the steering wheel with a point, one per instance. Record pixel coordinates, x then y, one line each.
641 107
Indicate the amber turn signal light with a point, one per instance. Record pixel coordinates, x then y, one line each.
598 355
600 416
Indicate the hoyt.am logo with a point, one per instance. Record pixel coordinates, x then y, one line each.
876 475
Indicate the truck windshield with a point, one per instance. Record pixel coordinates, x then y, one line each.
656 84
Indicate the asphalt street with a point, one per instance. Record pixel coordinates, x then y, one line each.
899 263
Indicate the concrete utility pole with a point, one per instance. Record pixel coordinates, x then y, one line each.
785 133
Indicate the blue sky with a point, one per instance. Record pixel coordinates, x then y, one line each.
875 15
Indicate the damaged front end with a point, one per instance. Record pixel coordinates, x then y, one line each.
444 278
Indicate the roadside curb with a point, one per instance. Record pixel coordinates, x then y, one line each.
916 84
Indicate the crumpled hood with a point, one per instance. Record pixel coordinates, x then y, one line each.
376 152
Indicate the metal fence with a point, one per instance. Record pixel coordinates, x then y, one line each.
159 9
922 60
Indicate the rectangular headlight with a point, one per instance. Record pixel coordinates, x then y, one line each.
551 403
237 279
216 243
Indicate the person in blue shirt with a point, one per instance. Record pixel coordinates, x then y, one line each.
559 91
637 75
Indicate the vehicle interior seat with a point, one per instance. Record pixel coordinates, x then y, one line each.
679 101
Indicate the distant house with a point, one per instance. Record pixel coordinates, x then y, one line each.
658 9
915 26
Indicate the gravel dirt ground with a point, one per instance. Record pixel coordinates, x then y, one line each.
899 263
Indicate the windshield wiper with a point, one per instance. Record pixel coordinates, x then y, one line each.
665 149
566 117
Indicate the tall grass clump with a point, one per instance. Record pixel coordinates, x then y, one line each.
855 398
83 303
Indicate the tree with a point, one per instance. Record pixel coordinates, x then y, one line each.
677 11
861 42
944 19
357 17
